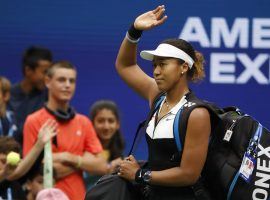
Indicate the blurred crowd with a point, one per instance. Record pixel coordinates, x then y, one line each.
37 121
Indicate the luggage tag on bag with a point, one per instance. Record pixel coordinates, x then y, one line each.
229 132
247 167
228 135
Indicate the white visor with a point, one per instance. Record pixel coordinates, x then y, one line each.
167 50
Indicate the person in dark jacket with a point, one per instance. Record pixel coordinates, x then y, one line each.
30 94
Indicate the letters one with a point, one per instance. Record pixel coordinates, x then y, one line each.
263 169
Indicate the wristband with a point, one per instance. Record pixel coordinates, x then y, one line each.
132 40
134 33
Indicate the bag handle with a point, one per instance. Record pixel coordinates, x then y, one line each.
137 135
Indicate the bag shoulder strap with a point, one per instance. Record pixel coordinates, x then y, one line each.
182 116
176 128
138 135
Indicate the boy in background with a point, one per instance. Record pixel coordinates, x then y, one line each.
30 93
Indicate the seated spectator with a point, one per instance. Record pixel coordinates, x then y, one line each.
46 132
30 94
34 184
7 122
106 120
8 189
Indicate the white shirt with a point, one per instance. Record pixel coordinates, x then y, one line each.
164 127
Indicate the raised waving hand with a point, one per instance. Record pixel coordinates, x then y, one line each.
151 19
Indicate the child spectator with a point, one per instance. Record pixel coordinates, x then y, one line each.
8 189
34 183
106 120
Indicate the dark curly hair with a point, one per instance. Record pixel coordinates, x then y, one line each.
197 72
33 54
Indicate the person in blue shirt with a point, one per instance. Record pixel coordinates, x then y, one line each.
8 125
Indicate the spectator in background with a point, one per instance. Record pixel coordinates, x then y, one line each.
34 183
29 95
7 122
76 147
105 117
8 189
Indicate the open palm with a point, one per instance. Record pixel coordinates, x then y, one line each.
47 131
150 19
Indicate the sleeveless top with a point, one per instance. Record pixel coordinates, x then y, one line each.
162 150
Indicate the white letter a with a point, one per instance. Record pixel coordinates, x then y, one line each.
194 31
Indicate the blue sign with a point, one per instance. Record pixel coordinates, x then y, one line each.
234 37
